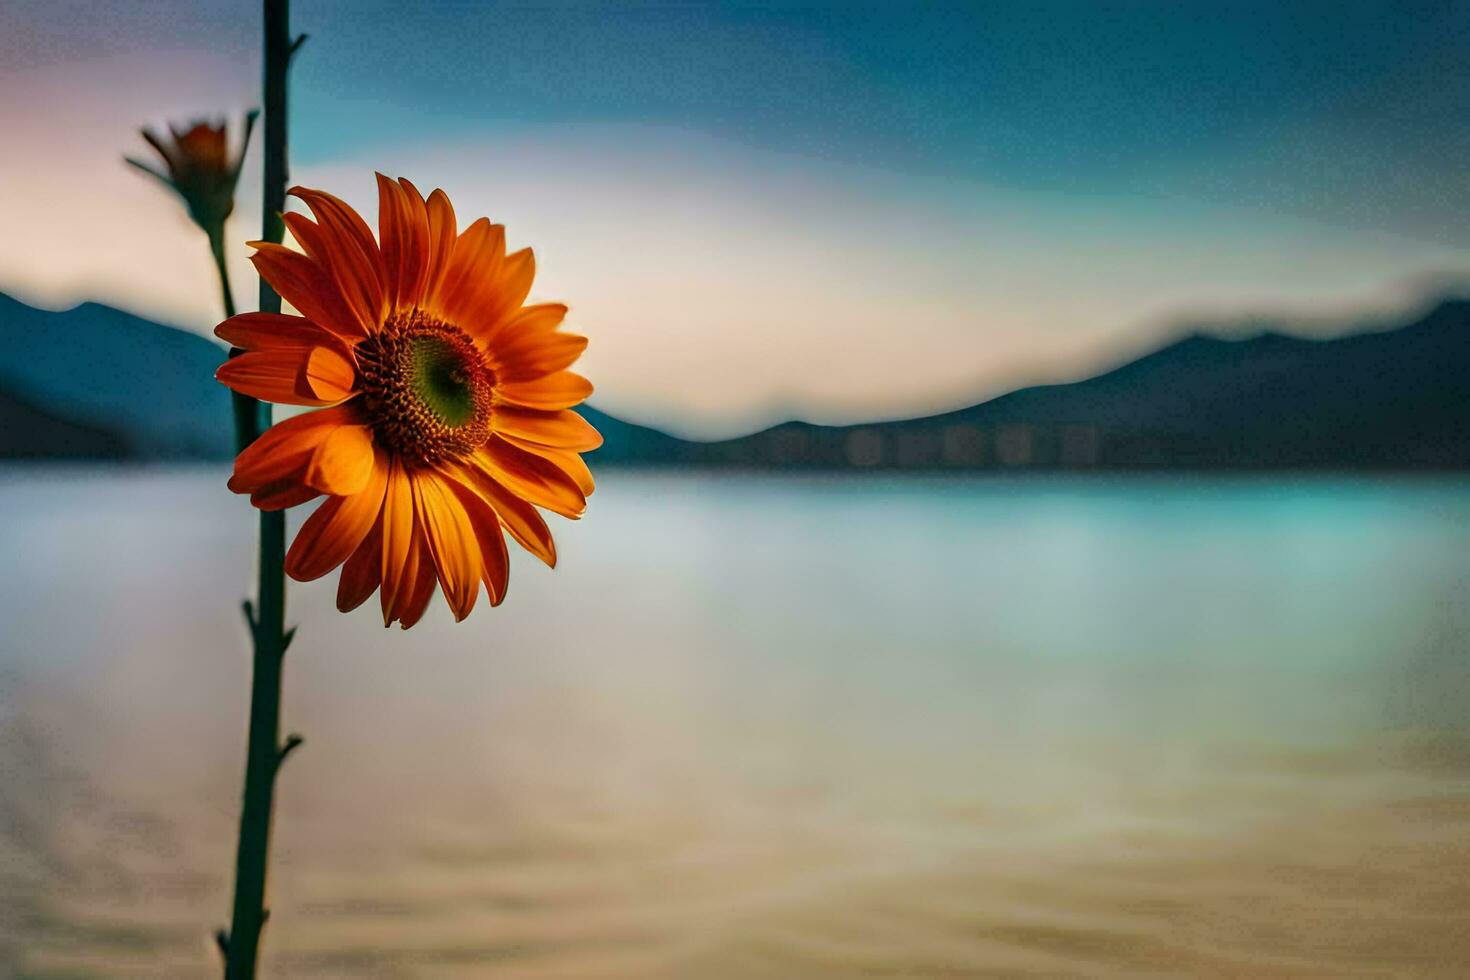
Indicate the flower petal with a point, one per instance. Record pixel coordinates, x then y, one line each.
560 390
561 430
568 461
282 494
500 301
345 265
476 256
283 375
441 243
451 540
343 462
539 318
403 228
268 331
340 218
421 575
283 451
338 527
575 467
164 148
398 542
363 571
330 376
531 477
495 562
521 519
346 249
528 356
307 286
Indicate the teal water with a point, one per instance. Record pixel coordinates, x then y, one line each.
764 727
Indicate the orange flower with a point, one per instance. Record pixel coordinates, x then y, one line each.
200 169
448 402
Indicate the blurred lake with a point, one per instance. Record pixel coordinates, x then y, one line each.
764 727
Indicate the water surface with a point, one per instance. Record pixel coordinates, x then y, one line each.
764 727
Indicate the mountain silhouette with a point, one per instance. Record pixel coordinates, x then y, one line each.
100 367
1381 400
1392 399
30 432
151 387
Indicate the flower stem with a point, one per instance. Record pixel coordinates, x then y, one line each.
246 409
217 249
267 620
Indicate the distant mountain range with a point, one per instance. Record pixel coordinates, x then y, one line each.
95 382
94 367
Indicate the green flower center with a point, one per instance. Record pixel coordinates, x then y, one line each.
426 389
439 377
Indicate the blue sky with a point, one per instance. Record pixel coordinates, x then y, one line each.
764 209
1351 108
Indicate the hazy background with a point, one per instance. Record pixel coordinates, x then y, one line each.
1165 673
760 211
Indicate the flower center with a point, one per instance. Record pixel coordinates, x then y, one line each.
426 389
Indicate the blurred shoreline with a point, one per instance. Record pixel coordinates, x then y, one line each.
93 382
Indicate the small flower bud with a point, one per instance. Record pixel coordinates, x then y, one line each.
199 169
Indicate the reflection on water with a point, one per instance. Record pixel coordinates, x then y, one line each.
757 727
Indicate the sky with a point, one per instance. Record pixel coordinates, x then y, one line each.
758 212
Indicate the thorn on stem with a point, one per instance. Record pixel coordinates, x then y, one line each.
249 609
286 639
292 741
222 940
300 40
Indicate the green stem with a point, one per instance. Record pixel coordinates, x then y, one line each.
217 249
246 409
264 749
